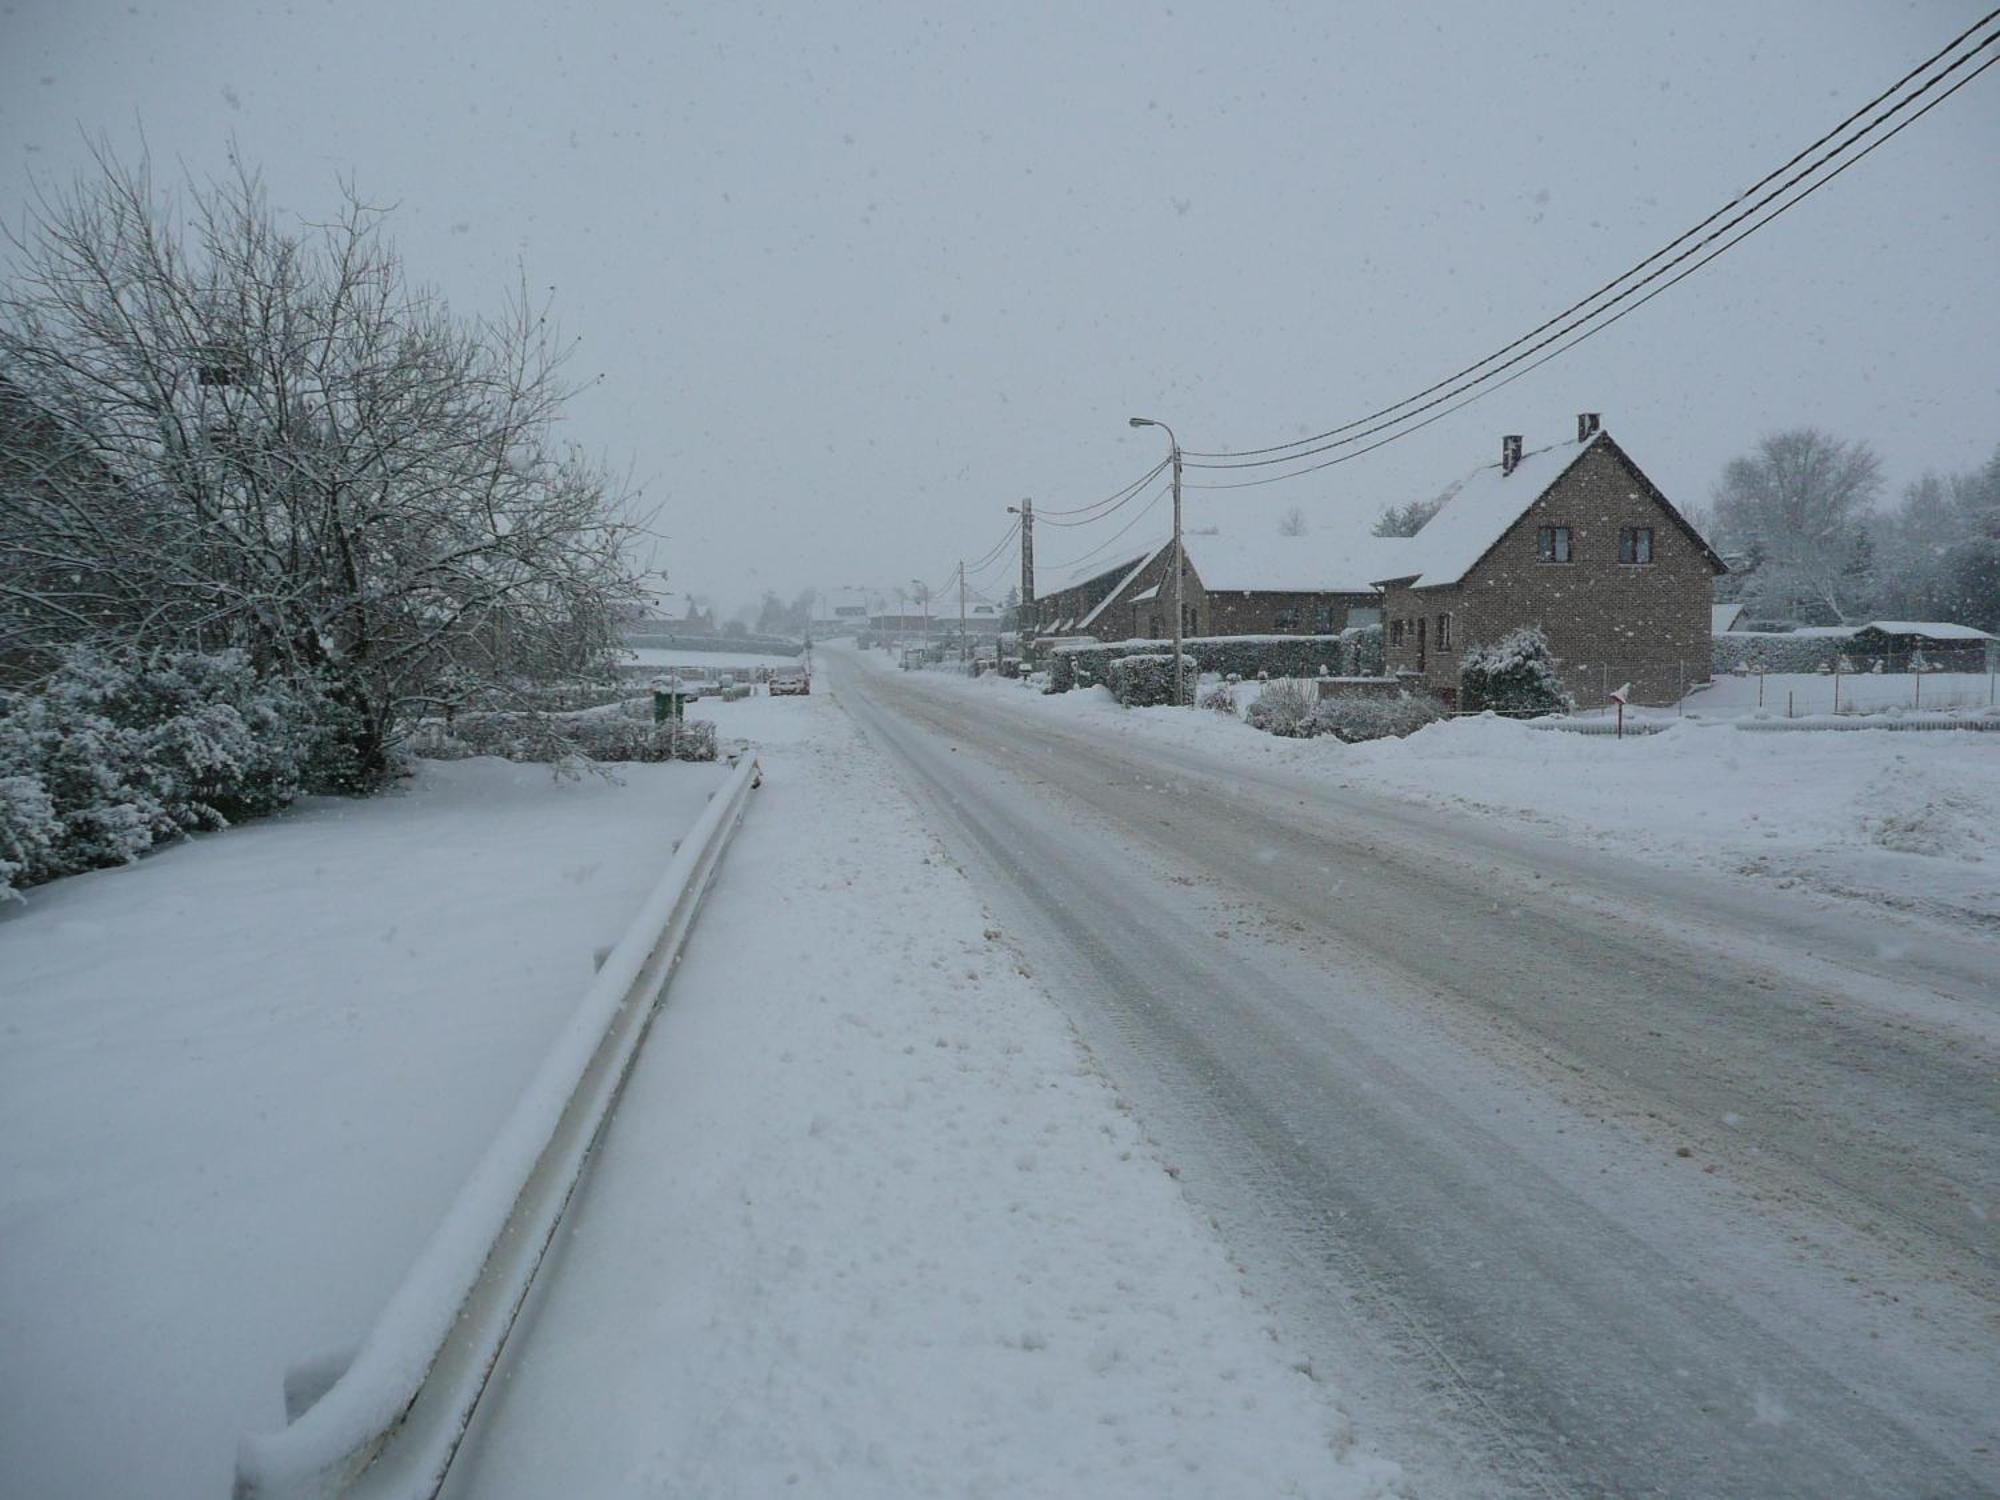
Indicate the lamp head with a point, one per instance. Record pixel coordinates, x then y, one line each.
1140 422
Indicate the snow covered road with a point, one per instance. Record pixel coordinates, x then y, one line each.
1579 1176
869 1223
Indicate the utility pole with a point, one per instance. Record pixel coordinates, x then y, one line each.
1179 565
1024 617
964 640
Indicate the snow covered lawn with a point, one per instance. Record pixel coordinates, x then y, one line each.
242 1080
1908 819
1805 693
869 1222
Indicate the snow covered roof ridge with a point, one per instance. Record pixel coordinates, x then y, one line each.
1479 508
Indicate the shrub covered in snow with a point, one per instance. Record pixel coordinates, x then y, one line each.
1354 719
1515 675
1771 651
117 752
1221 698
1352 653
540 738
1284 707
1148 681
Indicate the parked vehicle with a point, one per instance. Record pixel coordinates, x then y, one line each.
790 682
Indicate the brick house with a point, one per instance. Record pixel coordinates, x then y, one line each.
1245 579
1572 538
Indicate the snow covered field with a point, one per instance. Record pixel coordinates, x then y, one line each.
870 1223
241 1081
1910 819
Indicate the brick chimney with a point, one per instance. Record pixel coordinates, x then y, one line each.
1510 452
1587 423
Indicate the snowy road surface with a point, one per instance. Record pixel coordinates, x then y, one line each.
1576 1174
869 1223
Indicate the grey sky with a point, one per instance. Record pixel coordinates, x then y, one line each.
859 276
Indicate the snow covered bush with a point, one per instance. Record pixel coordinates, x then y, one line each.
28 832
117 752
1354 719
1285 708
1147 681
542 739
1221 698
1515 675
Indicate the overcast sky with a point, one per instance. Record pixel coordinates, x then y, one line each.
857 277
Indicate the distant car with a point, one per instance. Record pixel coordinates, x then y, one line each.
790 682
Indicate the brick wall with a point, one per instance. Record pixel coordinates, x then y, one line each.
1231 612
1607 622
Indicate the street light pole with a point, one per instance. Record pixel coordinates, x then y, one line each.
1179 564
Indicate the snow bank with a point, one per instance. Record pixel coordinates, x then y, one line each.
1904 818
243 1079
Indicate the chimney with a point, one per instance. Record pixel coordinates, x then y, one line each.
1587 423
1510 452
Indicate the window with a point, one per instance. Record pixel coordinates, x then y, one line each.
1395 632
1444 633
1552 543
1159 627
1323 619
1635 544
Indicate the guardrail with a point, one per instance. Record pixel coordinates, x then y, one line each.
389 1423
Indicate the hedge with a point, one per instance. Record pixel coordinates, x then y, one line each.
530 737
1147 681
1352 653
1759 651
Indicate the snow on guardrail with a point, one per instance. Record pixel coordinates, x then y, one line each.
392 1420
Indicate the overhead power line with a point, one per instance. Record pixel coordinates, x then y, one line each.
1113 501
1592 332
1105 545
1566 322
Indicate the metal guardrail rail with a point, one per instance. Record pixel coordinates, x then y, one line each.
392 1420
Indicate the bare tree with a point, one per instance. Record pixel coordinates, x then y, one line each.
1797 506
1292 523
273 440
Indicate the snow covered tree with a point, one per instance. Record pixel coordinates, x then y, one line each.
1515 675
223 433
1408 520
1797 505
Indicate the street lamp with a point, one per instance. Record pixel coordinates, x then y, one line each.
1179 564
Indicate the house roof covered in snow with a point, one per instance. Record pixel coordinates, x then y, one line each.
1085 573
1723 617
1253 556
1930 630
1480 508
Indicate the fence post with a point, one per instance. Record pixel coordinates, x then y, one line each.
1836 690
1760 687
1790 698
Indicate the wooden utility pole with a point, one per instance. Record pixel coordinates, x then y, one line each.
1027 560
964 640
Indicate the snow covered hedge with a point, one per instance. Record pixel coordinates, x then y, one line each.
1771 651
1352 720
1351 653
534 737
1148 681
1293 709
117 752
